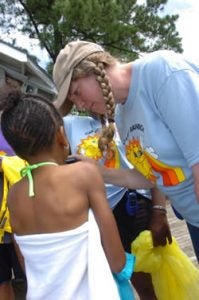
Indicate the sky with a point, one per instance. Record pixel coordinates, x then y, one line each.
187 26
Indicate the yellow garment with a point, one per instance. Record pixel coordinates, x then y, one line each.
11 166
174 276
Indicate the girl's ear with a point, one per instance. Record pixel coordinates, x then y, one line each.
62 139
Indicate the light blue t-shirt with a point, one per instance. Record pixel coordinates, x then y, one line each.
83 134
158 125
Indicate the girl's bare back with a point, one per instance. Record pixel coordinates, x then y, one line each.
60 202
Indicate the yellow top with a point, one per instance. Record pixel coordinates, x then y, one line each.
11 166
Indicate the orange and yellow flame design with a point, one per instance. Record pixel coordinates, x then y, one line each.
146 164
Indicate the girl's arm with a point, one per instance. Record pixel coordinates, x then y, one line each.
103 214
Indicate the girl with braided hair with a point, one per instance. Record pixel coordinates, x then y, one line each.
154 101
59 221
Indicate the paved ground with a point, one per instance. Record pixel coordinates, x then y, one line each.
180 232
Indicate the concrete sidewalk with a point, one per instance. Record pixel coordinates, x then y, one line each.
180 232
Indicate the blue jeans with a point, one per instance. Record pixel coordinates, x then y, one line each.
193 232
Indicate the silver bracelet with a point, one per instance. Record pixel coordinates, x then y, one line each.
160 207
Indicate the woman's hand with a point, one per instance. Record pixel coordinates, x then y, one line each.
159 225
160 229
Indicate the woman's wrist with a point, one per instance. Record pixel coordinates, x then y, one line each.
159 208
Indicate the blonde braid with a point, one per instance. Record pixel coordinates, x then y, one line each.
108 128
95 64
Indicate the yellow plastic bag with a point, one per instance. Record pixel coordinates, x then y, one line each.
174 276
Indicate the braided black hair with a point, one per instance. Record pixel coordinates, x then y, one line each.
28 122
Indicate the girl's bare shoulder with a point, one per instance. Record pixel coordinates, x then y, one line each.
82 166
83 170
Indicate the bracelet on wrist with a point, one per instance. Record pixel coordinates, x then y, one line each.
160 208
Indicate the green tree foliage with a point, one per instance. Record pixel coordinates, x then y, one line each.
123 27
